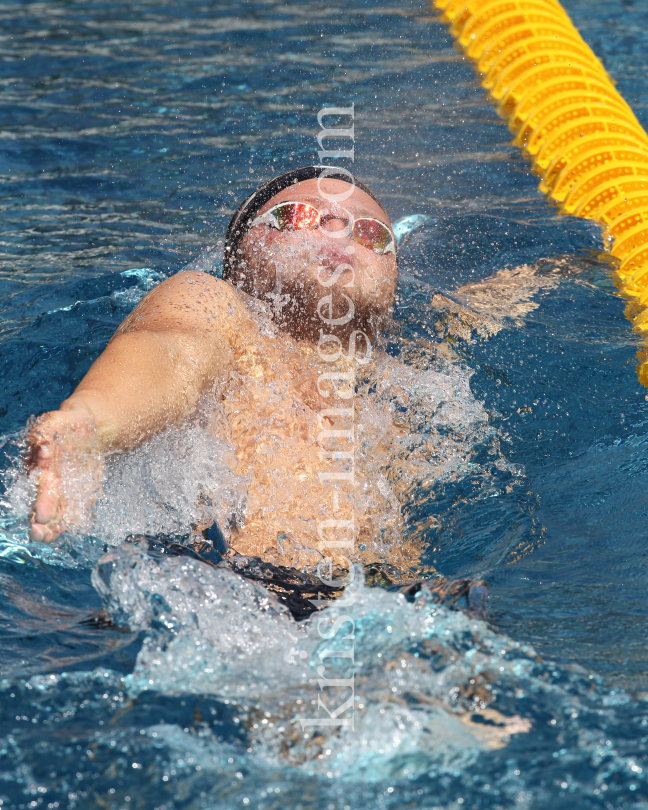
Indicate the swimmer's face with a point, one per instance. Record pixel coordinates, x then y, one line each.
297 270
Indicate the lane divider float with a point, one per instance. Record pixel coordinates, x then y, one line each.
582 138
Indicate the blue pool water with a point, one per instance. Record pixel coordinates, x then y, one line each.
129 132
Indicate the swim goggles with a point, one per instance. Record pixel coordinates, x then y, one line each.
367 231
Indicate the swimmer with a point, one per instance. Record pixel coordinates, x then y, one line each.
317 252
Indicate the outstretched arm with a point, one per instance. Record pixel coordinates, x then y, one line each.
169 350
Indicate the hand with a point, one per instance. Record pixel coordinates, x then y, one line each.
63 448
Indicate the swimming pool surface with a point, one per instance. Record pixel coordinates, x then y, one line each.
129 133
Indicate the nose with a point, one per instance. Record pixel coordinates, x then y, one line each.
334 222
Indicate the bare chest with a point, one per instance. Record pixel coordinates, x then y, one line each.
272 403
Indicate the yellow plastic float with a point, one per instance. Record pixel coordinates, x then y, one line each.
581 136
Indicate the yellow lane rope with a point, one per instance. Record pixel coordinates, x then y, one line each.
583 140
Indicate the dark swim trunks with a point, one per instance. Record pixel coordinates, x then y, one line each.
304 593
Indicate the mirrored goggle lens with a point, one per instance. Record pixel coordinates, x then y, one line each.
296 216
373 235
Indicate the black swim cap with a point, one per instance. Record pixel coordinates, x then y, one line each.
250 207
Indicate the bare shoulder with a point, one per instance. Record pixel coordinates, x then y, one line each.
189 300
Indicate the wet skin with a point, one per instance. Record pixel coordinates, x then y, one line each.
193 334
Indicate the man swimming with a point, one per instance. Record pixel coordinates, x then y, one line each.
315 249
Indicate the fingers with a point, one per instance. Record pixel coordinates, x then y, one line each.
45 523
46 516
47 500
40 443
45 533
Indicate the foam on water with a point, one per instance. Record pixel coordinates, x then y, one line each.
182 477
218 631
437 694
209 632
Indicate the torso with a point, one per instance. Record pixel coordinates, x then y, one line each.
275 412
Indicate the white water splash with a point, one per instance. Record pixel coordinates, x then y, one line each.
184 476
208 631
